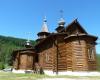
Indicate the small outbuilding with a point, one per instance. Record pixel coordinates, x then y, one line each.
24 59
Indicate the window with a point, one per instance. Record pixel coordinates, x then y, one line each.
47 57
91 52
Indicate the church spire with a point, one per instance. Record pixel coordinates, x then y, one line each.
44 26
44 33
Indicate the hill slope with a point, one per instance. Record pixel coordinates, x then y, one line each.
7 45
98 61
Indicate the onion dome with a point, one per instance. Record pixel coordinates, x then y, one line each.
61 22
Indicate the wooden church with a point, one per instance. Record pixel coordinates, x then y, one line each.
70 48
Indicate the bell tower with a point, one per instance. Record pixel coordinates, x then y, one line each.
44 32
61 23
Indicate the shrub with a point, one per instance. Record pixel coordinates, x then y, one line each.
1 66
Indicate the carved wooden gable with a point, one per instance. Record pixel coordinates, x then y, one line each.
75 28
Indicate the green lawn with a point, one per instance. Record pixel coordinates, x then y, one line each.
13 76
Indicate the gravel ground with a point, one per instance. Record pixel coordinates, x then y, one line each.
67 79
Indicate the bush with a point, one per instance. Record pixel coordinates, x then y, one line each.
1 66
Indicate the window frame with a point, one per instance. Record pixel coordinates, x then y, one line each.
91 54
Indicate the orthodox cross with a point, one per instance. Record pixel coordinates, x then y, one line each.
28 35
61 13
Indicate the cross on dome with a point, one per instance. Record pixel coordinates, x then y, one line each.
61 21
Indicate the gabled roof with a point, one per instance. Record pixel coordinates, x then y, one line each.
83 35
25 49
67 29
50 37
70 26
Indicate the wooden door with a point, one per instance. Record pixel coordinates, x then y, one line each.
23 61
30 61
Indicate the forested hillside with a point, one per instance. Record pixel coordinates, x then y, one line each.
7 45
98 61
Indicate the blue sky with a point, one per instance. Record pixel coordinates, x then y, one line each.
17 17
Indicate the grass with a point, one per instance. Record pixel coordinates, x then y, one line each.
13 76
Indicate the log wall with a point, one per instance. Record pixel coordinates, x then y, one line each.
66 55
69 56
79 56
61 52
46 59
